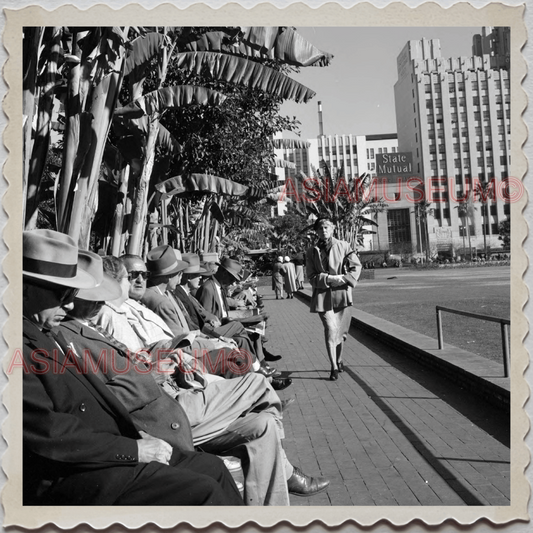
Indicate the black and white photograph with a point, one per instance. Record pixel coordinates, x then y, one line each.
273 265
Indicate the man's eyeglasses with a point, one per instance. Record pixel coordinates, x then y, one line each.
134 274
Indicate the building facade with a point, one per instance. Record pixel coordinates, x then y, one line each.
453 116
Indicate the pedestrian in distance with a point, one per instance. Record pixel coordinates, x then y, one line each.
289 277
333 269
299 263
277 278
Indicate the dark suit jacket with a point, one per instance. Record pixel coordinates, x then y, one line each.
161 305
152 410
197 321
208 297
78 439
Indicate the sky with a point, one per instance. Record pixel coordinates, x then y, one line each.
357 88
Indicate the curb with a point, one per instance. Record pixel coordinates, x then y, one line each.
475 373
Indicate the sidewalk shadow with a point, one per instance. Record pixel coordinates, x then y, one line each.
468 404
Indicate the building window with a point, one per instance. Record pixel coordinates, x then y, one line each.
451 87
495 229
380 150
385 150
371 153
399 226
427 88
320 153
394 149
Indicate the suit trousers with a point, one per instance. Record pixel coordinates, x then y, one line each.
191 479
213 409
256 440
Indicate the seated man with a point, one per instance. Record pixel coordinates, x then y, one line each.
212 294
80 445
208 322
241 416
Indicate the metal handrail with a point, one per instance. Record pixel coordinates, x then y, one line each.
504 323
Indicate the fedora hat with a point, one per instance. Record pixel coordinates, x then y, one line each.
210 268
162 261
51 256
232 267
108 288
194 264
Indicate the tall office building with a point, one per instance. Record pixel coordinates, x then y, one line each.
453 115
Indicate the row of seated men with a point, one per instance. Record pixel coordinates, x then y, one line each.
126 401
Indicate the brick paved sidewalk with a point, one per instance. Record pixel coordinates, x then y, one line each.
387 432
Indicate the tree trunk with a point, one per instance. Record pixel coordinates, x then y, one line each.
41 143
140 202
31 45
120 209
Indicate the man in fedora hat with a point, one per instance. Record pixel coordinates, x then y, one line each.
80 446
212 296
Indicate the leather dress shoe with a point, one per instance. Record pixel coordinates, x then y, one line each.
273 372
280 384
301 484
270 356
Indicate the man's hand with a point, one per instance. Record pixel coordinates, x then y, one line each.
214 323
153 449
229 341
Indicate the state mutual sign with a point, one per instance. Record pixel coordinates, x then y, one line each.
394 166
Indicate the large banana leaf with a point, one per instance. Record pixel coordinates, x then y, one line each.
290 144
272 42
242 71
143 49
285 44
200 183
175 96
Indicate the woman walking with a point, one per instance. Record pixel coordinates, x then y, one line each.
333 269
277 278
289 274
299 262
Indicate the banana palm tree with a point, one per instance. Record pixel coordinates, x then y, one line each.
84 69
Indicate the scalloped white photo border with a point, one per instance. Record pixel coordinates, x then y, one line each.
362 14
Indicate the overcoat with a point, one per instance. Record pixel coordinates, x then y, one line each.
277 276
80 443
133 385
341 260
74 430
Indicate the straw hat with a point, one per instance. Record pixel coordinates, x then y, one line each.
162 261
108 288
52 257
194 264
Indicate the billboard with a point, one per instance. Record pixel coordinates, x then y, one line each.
394 166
